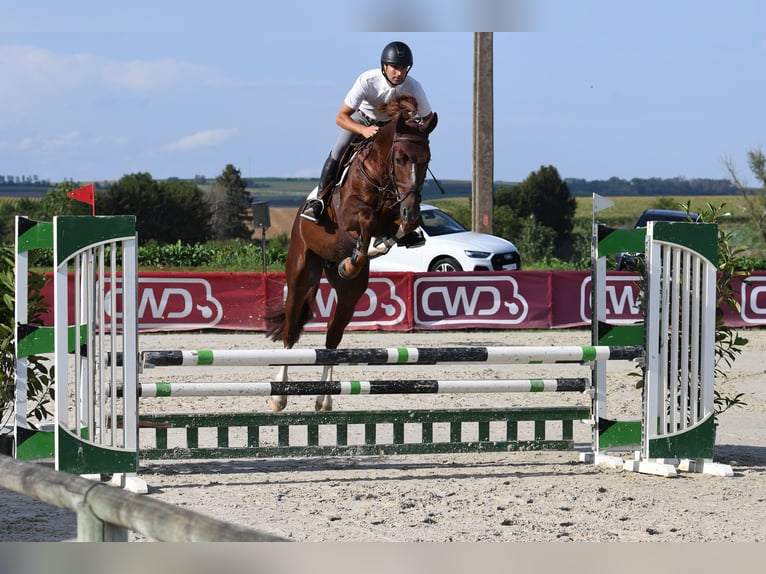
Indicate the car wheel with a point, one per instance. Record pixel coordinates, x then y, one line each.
445 265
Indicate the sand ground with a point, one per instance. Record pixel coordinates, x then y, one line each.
489 497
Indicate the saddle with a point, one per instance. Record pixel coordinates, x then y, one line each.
346 159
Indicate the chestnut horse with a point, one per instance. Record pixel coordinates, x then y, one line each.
379 197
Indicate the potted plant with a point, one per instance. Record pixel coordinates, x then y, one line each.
39 372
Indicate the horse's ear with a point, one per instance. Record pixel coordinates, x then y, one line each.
430 124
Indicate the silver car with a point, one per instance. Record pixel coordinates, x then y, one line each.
450 247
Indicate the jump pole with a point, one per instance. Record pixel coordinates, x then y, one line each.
507 355
380 387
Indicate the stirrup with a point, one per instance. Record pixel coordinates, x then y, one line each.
313 210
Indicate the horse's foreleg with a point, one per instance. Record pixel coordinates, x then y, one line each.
324 402
279 402
383 245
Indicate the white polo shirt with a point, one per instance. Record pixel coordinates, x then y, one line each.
371 89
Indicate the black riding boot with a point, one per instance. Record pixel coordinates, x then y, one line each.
412 239
315 207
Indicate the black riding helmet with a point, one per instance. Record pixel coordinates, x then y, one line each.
396 54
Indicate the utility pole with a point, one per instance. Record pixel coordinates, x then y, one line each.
482 182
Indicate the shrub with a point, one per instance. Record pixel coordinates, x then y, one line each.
39 373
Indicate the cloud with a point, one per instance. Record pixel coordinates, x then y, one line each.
147 76
49 143
35 70
203 139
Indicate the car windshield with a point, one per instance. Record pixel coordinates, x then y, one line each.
437 222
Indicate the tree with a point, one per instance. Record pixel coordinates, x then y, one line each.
186 211
545 197
56 202
165 212
230 201
755 199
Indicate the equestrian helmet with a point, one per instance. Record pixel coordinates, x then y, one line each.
396 54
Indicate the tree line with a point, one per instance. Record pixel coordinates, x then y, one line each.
23 180
166 211
537 214
653 186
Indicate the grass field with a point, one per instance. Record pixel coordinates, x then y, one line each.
626 209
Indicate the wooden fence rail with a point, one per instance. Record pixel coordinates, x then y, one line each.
106 513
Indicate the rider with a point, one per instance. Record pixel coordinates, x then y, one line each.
359 116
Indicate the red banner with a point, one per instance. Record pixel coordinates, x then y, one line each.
407 301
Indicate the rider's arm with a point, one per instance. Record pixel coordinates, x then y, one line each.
345 121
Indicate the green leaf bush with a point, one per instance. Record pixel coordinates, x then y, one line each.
40 371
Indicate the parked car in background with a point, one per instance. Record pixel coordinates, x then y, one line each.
630 261
449 247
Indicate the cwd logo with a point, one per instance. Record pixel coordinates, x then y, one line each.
380 305
753 298
466 300
621 299
164 302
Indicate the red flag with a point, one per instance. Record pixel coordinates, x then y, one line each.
85 194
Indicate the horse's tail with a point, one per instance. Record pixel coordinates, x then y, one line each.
276 321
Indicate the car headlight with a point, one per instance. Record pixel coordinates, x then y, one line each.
477 254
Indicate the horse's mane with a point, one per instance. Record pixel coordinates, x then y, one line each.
403 103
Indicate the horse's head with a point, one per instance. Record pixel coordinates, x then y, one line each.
410 155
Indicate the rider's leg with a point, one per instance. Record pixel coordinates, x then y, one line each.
315 206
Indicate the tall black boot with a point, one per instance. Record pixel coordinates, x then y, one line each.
315 207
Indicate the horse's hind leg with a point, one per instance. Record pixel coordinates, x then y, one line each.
279 402
324 402
303 282
352 290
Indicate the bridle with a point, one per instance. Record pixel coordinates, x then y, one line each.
390 184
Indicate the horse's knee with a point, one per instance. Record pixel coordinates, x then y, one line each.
277 403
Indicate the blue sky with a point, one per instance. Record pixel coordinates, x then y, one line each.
94 90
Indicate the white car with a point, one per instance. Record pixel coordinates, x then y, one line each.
449 247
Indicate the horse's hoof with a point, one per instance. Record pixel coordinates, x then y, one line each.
277 404
323 405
